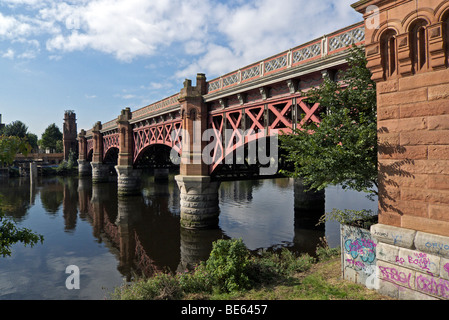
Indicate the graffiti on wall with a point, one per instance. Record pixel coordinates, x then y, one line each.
359 248
419 260
426 283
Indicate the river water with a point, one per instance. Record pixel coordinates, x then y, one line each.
111 239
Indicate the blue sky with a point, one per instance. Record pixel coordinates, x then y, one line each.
97 57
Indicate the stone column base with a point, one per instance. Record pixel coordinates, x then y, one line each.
100 172
128 180
84 168
199 202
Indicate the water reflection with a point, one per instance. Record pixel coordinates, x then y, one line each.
143 234
145 229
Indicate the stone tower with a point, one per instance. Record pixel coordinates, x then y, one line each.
70 134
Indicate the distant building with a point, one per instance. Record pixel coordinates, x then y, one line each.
70 134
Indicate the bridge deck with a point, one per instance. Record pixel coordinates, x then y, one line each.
316 55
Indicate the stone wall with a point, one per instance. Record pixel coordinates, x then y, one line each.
411 265
358 258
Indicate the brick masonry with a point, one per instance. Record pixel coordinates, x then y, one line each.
408 54
413 114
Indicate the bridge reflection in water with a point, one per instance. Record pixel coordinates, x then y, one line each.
144 231
111 238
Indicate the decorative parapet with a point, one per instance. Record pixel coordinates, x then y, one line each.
296 57
167 103
319 48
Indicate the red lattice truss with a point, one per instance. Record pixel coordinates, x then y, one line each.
110 141
167 133
257 121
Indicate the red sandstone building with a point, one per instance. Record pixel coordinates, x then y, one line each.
407 46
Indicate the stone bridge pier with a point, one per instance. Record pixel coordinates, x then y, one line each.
100 171
127 177
199 194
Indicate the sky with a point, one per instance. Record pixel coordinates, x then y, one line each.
97 57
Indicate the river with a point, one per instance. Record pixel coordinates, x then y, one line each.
112 239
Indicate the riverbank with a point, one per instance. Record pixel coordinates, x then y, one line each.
231 274
321 282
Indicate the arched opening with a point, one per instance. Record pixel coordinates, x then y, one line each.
259 158
111 156
418 45
90 154
155 156
111 159
388 53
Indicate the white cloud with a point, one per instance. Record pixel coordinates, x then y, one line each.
9 54
126 28
217 37
255 30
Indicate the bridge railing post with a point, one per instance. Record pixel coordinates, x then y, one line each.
128 178
199 195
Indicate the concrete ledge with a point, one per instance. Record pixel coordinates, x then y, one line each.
432 243
394 235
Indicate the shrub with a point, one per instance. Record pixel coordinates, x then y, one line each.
198 281
228 265
324 252
161 286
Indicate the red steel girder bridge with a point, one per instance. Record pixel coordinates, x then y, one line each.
261 99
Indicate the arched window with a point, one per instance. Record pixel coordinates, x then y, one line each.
418 45
388 53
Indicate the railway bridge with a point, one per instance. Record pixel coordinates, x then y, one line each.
407 48
209 127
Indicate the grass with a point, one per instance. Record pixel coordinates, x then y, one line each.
321 282
267 276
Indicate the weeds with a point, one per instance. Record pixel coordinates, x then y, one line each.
230 268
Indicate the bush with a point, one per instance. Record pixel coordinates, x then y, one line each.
228 265
229 268
161 286
356 218
324 252
198 281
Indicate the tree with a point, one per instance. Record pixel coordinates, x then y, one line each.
10 146
50 138
16 128
32 140
342 148
9 232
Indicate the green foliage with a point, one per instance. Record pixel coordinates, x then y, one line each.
161 286
10 146
16 129
11 234
229 269
69 166
342 149
32 140
52 138
271 266
227 265
198 281
324 252
357 218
